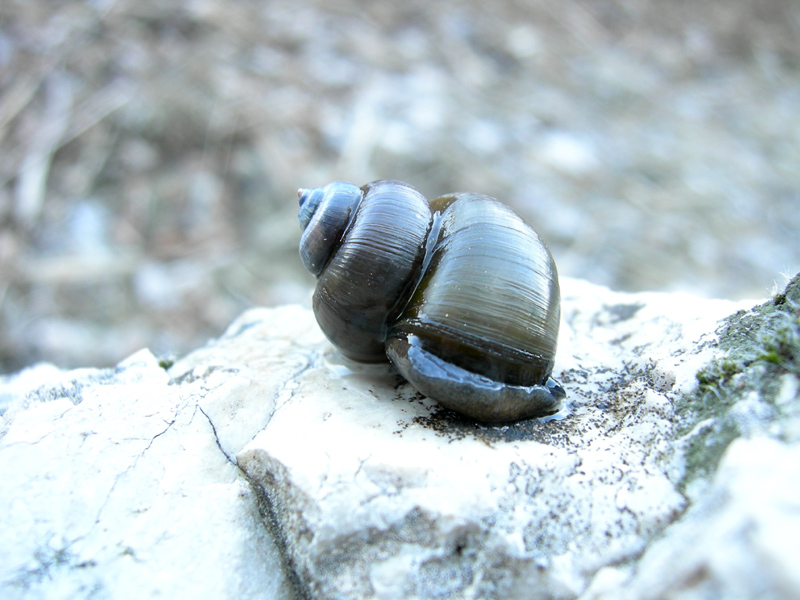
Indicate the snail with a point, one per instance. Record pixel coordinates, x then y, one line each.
459 293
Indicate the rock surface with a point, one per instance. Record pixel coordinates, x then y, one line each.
113 486
265 466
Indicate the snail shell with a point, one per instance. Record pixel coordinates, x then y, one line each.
460 294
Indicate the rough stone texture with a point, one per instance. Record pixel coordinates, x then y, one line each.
651 483
113 486
738 540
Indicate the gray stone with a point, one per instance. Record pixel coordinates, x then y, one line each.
380 493
113 486
737 541
266 465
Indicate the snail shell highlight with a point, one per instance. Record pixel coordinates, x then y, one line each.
460 294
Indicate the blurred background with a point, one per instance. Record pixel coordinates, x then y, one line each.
150 152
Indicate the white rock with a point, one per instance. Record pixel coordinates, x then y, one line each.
381 494
125 482
113 485
739 541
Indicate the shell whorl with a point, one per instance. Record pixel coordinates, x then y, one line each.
490 299
378 256
324 216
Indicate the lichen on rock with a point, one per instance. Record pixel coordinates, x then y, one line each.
749 390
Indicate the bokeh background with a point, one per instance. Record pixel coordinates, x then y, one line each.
150 152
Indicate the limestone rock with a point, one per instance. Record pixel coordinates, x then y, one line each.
113 486
265 465
738 541
380 493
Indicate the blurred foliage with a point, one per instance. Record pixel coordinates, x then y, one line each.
151 151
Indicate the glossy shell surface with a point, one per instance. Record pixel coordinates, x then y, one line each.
460 294
371 269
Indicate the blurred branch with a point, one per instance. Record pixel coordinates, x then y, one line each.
32 177
15 99
76 268
97 107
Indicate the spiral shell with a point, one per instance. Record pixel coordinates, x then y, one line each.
460 294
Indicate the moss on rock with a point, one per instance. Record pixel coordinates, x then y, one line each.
740 394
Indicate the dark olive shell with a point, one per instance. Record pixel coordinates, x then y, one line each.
489 301
461 295
372 269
